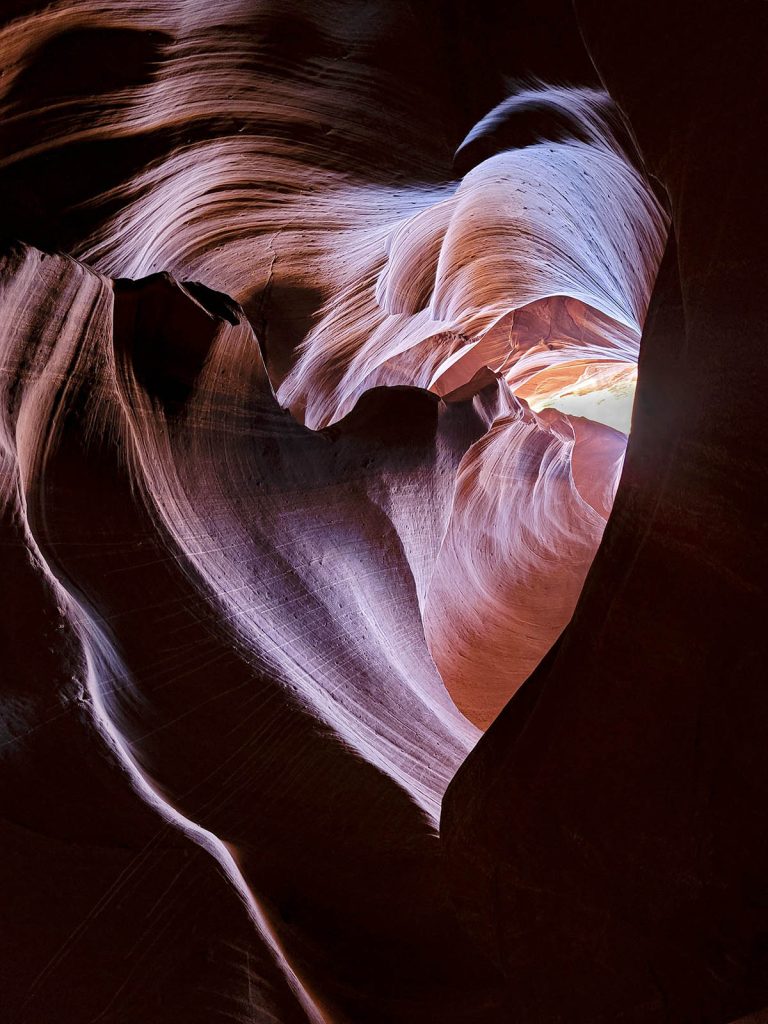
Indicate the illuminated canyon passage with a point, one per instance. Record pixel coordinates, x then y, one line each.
383 504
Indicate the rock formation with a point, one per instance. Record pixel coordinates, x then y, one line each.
327 693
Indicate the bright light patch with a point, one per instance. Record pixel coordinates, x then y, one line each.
604 392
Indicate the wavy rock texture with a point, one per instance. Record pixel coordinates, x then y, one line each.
239 619
319 346
619 799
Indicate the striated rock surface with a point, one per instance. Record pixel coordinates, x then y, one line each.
611 823
238 583
320 328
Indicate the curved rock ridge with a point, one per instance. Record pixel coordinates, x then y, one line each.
109 896
553 245
247 595
350 672
525 525
611 823
243 164
537 264
251 599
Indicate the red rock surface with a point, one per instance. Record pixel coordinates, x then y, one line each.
319 333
